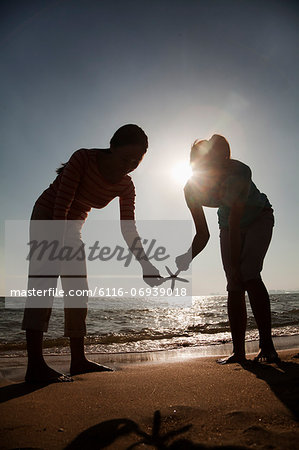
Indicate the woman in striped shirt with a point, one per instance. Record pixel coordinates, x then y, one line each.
90 179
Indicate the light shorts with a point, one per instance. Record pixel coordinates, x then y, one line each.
36 318
255 240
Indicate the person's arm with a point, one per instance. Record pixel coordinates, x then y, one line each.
202 235
131 236
70 179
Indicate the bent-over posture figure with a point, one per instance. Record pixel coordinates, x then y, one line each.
90 179
246 221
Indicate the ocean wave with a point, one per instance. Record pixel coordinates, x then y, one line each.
149 339
114 329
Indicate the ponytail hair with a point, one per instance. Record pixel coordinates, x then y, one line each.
216 149
126 135
59 170
220 148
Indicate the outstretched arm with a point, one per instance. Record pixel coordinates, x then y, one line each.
131 236
202 232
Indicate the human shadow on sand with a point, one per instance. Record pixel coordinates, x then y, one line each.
17 390
283 380
108 432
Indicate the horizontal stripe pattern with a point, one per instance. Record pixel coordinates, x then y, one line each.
81 187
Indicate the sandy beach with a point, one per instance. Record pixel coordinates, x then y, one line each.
184 403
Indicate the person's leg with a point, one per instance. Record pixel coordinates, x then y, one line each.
74 281
257 241
260 304
79 363
238 320
75 329
38 308
38 370
236 307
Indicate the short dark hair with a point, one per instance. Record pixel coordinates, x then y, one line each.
129 135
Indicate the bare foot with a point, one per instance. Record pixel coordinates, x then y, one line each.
44 374
268 357
232 359
87 367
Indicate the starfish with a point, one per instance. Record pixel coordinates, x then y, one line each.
173 277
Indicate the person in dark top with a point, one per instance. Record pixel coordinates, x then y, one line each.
245 218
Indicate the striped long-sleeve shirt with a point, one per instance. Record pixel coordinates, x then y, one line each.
81 187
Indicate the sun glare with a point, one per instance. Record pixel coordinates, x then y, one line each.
181 172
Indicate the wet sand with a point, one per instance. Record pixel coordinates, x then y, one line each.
183 403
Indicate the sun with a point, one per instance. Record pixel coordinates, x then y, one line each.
181 172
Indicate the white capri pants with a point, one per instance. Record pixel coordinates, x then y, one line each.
38 309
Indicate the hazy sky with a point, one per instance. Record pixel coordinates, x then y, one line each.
74 71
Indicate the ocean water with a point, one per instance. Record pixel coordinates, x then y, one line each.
118 325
